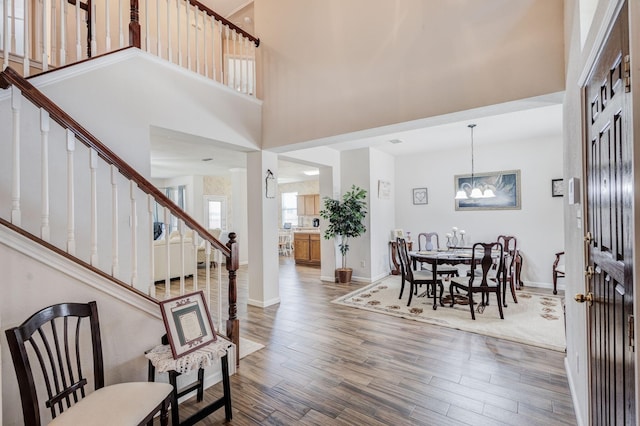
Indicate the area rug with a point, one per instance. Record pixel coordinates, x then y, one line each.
247 347
536 319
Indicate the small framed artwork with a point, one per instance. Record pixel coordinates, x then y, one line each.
557 187
384 189
397 233
420 196
188 323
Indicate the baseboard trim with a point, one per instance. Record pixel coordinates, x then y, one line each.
572 389
263 304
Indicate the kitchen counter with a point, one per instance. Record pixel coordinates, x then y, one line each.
306 246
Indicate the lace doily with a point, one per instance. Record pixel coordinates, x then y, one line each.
162 358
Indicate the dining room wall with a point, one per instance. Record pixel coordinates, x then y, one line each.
538 225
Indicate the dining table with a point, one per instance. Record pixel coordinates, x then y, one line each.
457 256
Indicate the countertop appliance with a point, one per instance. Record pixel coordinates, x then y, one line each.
316 223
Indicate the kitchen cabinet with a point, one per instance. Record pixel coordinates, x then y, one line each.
307 248
309 205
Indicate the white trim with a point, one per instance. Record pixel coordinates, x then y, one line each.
572 389
47 257
261 304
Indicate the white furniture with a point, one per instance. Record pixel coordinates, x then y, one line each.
175 258
213 256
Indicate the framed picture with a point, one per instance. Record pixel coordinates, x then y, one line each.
397 233
557 187
420 196
188 323
505 185
384 189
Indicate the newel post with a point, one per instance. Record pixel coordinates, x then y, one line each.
134 25
233 324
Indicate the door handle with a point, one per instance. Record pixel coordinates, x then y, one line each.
588 238
589 272
581 298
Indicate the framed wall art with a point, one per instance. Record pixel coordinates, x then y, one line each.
420 196
188 323
505 184
557 187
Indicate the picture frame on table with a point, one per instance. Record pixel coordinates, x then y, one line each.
397 233
420 196
188 323
557 187
505 184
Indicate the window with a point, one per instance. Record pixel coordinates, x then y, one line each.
289 207
16 27
177 194
215 211
240 74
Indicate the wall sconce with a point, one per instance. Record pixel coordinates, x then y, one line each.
270 185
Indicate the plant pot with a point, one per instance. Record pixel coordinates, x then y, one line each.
343 275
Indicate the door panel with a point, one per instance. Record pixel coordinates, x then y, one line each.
609 203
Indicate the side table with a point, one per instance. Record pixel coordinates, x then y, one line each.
161 359
393 247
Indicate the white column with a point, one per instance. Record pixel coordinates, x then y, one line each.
263 228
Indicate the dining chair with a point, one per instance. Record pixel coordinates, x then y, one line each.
415 278
429 241
509 244
66 347
480 279
558 271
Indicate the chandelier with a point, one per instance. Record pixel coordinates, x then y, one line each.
473 189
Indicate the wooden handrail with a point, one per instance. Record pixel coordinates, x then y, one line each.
10 77
226 22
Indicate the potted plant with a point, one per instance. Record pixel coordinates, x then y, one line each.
345 221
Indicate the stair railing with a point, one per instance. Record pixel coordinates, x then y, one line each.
75 210
184 32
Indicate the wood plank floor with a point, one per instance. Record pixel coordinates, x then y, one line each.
326 364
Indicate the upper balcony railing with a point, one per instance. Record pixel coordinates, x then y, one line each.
60 32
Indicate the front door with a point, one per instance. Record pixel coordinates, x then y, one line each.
609 193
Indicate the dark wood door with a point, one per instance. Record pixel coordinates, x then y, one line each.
609 203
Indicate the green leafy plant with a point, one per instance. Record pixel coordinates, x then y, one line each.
345 218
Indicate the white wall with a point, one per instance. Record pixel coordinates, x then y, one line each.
382 211
538 226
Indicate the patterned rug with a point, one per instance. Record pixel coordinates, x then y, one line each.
536 319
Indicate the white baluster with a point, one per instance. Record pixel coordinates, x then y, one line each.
94 41
179 32
204 43
120 25
217 256
196 18
207 269
228 50
78 33
44 132
194 241
245 63
236 76
107 13
146 26
167 259
63 33
6 44
253 74
213 48
93 165
158 34
45 39
115 265
169 32
134 234
14 46
150 205
71 232
16 103
181 230
188 27
27 47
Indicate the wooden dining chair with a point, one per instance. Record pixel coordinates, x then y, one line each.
430 241
510 246
558 271
66 347
415 278
480 279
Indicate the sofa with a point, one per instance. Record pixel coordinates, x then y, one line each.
175 264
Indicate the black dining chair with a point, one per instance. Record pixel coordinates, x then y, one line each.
481 280
415 278
510 247
68 351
